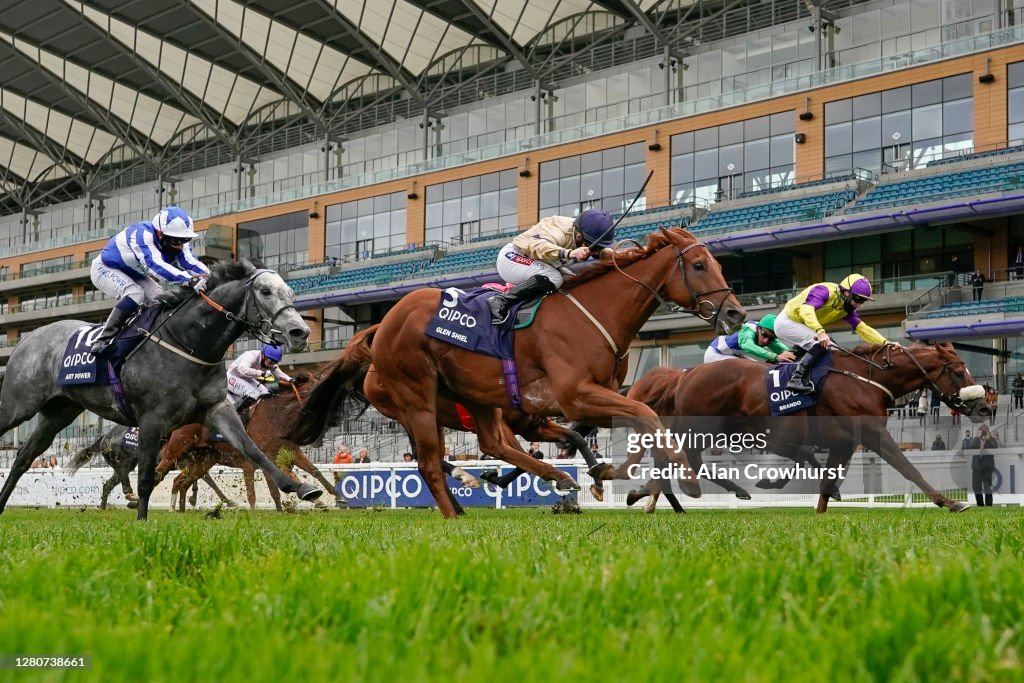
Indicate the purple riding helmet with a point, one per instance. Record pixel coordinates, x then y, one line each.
857 285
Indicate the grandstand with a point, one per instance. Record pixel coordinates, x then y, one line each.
884 141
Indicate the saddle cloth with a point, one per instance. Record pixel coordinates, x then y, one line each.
781 400
78 365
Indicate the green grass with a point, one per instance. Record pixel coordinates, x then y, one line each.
758 595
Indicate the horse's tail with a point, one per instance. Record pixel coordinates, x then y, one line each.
338 394
82 457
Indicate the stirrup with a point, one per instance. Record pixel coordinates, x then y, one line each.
807 388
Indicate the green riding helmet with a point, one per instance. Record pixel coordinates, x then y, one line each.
768 322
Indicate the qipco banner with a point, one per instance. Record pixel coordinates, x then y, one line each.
405 488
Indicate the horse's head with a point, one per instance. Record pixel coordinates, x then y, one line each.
949 375
698 286
261 301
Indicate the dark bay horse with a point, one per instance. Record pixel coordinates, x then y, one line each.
863 383
339 394
569 360
174 378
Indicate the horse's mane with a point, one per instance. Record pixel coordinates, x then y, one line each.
865 348
285 409
220 273
624 257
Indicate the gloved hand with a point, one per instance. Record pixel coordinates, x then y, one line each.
197 283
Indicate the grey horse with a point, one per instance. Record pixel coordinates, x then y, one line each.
175 377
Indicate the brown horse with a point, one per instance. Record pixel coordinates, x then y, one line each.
339 394
269 422
863 383
569 360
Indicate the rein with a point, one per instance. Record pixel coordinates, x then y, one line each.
952 401
698 309
263 328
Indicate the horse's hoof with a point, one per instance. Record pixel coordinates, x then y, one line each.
743 495
769 484
651 506
600 469
308 492
635 495
491 477
566 486
133 504
690 488
597 492
230 504
835 495
959 507
340 503
467 479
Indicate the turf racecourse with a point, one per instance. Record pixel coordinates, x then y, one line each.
758 595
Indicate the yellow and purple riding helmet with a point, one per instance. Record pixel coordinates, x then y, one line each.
858 286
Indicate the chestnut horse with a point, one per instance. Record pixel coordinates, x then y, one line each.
864 383
269 421
339 395
569 360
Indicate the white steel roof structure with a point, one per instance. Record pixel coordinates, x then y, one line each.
89 88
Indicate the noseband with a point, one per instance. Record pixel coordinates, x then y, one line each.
705 309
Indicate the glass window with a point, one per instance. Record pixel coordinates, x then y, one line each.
957 87
866 106
838 139
927 122
894 100
377 225
957 117
478 201
926 93
1015 74
867 133
837 112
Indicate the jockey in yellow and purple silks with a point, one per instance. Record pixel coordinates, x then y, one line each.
803 320
755 340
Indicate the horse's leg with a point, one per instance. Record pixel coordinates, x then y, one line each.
495 440
179 488
673 500
873 431
249 476
302 462
576 436
216 489
697 460
275 494
55 416
193 497
223 418
108 486
599 405
837 455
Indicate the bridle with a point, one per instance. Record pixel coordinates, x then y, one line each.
263 326
952 401
703 308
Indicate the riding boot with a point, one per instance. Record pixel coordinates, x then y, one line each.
243 407
800 382
536 286
115 321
